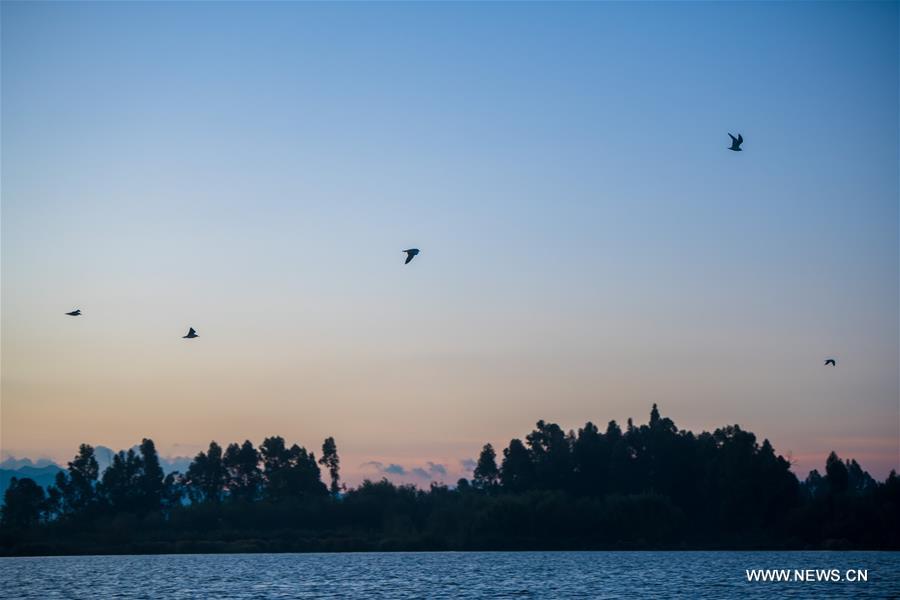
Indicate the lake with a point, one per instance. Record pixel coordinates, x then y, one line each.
449 575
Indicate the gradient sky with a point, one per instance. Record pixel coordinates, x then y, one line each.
589 246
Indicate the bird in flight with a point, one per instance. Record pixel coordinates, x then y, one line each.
736 142
190 334
410 254
830 361
75 313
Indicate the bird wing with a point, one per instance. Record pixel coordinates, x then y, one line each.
740 139
191 331
409 257
733 139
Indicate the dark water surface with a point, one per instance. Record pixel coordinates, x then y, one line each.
445 575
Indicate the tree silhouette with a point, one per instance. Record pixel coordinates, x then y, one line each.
289 472
486 474
205 478
651 486
332 462
173 492
517 470
150 478
836 474
120 485
243 476
858 481
276 464
75 489
591 461
815 485
549 451
23 503
303 474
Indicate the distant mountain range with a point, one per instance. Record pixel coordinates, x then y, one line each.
17 463
43 471
43 476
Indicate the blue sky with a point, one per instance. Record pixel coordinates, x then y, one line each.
589 246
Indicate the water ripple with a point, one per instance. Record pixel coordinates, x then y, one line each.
442 575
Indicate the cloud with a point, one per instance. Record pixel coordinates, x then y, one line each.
430 471
468 464
391 469
437 469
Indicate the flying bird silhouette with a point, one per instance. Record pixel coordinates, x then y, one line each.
410 254
736 142
190 334
831 362
75 313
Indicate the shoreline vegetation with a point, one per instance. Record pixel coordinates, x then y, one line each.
647 487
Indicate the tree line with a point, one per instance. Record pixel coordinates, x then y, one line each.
134 482
647 486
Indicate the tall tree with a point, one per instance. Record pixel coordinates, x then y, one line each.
205 477
120 485
77 485
590 457
517 471
150 477
276 462
551 456
303 474
332 462
859 481
486 474
244 477
289 472
836 474
814 486
23 503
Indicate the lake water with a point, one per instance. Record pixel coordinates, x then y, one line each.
445 575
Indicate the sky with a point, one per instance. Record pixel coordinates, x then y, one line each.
589 246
